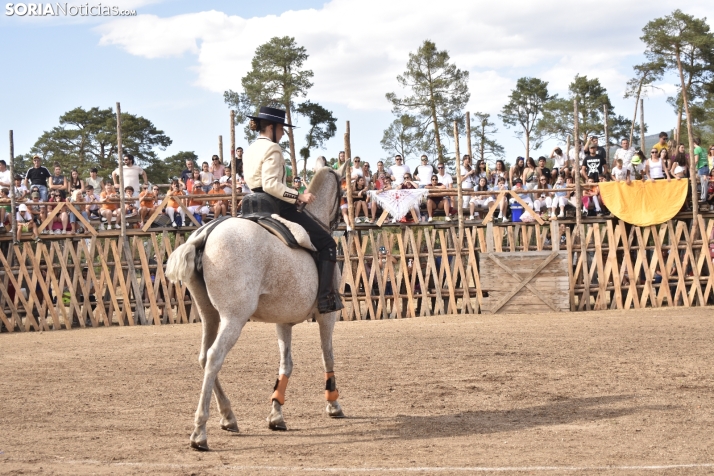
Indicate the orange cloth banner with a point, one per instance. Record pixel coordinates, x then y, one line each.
644 203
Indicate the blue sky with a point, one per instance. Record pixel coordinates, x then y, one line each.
172 62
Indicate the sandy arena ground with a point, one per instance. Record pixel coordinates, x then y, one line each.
609 392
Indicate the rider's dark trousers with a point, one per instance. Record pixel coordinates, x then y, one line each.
321 239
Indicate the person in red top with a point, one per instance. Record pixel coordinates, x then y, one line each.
219 206
173 205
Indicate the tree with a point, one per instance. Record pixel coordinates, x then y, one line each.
438 91
88 138
277 79
322 128
401 137
482 131
525 109
163 171
682 41
645 75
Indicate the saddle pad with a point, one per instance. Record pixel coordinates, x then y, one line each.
289 232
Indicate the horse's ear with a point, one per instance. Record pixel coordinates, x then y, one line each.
342 171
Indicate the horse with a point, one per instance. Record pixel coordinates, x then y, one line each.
279 286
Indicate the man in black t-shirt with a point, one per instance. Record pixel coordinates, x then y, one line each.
37 177
593 165
188 171
542 170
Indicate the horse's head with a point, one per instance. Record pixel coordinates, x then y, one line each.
325 185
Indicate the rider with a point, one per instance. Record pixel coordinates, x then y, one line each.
264 171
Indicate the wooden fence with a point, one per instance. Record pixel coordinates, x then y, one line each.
388 272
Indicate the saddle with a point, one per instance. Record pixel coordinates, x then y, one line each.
263 209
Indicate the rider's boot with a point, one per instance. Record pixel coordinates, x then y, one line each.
328 300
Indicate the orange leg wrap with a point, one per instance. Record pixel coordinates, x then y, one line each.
331 393
280 385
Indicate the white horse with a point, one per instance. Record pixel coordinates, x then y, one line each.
274 283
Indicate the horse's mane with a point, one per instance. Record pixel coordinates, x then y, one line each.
320 176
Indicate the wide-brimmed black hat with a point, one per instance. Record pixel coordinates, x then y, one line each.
271 114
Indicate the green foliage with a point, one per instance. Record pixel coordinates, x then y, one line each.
437 93
525 109
88 138
162 171
684 44
484 145
402 136
276 79
322 128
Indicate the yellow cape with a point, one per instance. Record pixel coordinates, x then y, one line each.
644 203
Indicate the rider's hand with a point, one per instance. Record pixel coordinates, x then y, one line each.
306 197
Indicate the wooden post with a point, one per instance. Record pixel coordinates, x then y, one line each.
643 146
234 166
468 135
120 157
566 152
13 211
123 242
576 168
607 137
348 178
459 191
220 149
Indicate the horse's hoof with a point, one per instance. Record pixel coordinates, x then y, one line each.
200 445
232 427
337 414
334 410
278 426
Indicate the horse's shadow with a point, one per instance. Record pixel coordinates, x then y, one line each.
563 411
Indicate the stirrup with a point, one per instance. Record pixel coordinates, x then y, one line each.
331 303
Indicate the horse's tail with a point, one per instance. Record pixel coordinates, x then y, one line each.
182 262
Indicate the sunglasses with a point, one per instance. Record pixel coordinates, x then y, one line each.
653 152
440 168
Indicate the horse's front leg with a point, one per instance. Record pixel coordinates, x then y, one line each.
327 325
228 334
285 337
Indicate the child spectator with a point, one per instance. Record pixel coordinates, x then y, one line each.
206 177
130 204
38 212
360 199
591 195
227 181
560 198
618 171
62 218
91 209
147 204
25 223
173 205
110 206
481 201
219 206
19 189
199 208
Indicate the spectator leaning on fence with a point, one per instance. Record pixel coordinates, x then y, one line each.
618 170
131 174
37 176
655 168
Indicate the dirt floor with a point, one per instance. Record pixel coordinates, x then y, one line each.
607 392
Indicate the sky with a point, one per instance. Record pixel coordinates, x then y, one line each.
172 62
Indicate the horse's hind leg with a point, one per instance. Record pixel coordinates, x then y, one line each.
228 334
327 325
285 336
211 321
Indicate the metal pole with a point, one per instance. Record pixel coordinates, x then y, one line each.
468 135
13 221
459 192
348 178
234 171
120 156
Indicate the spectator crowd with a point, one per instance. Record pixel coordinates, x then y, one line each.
546 185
